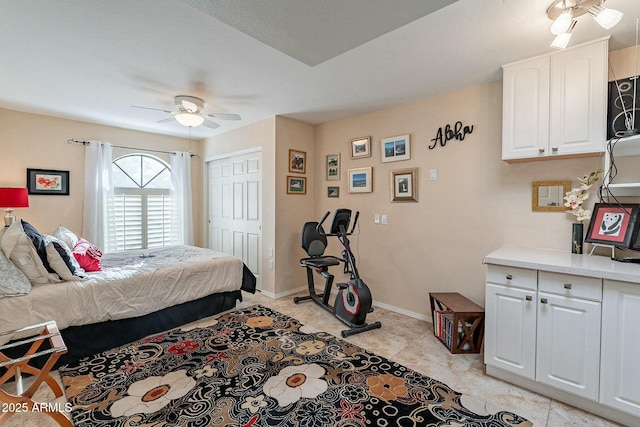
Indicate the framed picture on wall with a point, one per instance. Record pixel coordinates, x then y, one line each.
361 147
396 148
360 180
296 185
297 161
333 167
47 181
333 192
613 224
404 185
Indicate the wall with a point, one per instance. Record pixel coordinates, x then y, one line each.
36 141
477 204
261 134
282 214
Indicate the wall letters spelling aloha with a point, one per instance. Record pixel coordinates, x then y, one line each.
446 135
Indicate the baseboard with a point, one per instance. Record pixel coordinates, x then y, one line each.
375 303
562 396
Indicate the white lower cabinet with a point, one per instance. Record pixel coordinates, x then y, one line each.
620 371
568 344
546 330
566 326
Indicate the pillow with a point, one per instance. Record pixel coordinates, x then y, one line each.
20 250
12 281
38 242
88 255
62 260
67 236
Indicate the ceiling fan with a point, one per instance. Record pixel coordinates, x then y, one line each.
189 113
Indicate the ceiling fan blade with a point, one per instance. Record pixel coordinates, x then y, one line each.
210 124
224 116
154 109
166 120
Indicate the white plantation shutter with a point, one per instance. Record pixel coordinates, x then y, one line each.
143 214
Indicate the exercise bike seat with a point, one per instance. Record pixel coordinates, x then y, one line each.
314 243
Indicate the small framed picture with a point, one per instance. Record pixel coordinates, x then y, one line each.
404 185
333 192
46 181
297 161
296 185
613 224
361 147
396 148
333 167
360 180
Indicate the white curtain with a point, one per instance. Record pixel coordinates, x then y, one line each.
182 206
98 196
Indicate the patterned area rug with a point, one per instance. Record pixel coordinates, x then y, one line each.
257 367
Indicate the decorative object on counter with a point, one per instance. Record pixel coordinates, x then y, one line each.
11 198
574 200
613 224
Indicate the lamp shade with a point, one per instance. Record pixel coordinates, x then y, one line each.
606 18
14 198
189 119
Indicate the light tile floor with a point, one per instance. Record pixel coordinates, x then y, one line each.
410 342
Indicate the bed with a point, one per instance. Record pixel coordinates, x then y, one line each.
138 293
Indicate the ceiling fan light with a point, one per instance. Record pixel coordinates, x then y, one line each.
562 23
605 17
189 119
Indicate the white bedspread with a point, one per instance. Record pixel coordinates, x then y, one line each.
131 284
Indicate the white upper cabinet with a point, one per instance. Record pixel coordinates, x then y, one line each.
555 105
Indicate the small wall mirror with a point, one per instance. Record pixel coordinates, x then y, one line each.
548 196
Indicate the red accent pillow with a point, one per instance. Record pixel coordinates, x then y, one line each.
88 255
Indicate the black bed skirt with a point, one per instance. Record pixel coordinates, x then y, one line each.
87 340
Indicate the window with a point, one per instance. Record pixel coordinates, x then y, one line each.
142 202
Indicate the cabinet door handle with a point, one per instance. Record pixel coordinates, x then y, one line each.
544 300
541 150
554 149
528 298
567 285
509 277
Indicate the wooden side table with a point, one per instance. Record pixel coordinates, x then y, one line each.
22 400
457 322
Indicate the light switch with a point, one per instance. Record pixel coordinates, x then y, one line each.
384 219
433 174
376 219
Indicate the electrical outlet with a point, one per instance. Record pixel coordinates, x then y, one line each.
384 219
270 264
376 219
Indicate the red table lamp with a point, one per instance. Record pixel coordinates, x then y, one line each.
12 198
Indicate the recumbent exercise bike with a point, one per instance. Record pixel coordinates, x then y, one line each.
353 301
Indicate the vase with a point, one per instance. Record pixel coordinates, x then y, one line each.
576 238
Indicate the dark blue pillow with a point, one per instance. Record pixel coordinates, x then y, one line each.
38 242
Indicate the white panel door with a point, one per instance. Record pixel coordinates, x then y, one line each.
235 208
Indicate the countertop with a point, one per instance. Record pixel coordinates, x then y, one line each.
565 262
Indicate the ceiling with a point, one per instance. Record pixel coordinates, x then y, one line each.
311 60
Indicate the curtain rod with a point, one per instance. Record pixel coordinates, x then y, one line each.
85 143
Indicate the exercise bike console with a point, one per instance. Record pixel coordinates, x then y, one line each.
353 300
